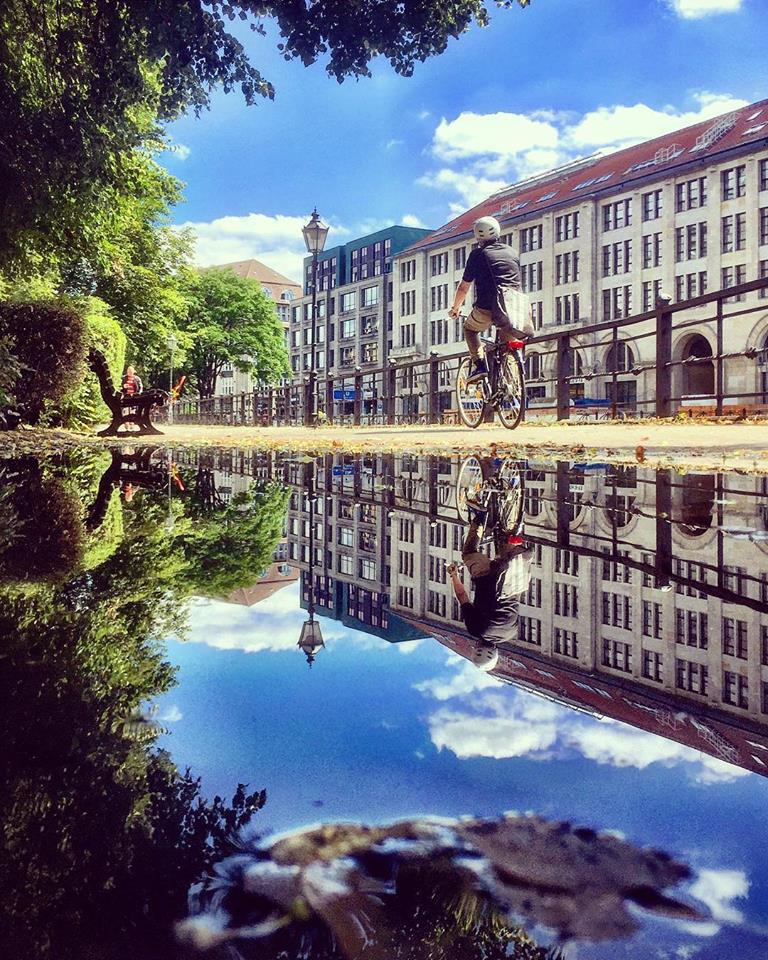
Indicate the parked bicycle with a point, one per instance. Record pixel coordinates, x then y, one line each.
502 390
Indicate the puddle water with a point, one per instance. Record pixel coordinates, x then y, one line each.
254 676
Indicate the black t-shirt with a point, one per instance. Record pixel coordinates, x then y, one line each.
492 616
496 262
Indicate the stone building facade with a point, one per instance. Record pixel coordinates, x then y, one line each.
602 239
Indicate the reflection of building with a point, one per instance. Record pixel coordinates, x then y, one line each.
600 239
274 578
646 592
282 292
354 312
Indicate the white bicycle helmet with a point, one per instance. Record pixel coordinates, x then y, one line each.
485 657
487 229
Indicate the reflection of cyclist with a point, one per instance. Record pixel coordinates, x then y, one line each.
499 583
494 267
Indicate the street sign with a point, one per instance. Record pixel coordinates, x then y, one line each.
343 470
345 395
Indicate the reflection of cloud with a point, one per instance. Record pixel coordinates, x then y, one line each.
717 889
172 715
271 626
466 679
409 646
485 720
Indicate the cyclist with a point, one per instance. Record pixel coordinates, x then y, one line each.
494 268
499 584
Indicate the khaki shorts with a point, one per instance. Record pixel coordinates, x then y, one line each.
478 320
478 564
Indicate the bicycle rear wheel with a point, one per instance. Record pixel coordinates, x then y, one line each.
469 484
512 497
511 404
470 400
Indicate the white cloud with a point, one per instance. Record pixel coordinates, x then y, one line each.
172 715
276 240
471 189
491 134
411 220
620 126
482 153
697 9
717 888
465 679
424 114
391 144
486 720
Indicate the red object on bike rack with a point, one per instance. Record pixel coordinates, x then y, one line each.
515 344
515 541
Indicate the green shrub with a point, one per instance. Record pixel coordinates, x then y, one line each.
83 406
49 341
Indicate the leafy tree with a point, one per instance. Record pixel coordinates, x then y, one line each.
101 834
227 547
76 76
231 320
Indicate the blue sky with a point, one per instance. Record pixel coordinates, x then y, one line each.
562 79
377 731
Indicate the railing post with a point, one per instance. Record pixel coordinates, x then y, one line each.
358 398
391 391
663 527
242 408
271 407
615 378
433 400
308 387
563 492
329 398
564 367
663 357
719 367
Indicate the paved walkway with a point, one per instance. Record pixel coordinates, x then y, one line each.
743 445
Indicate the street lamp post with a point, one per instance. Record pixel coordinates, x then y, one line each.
171 343
315 233
311 638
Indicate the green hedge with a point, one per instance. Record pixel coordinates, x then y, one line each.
49 341
83 406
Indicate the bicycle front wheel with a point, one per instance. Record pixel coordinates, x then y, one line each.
470 401
511 403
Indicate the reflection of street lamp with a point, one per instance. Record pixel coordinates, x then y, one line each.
311 638
315 233
171 343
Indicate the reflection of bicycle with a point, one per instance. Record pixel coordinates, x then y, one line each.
503 390
494 486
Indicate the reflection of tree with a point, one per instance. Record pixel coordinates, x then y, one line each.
101 834
228 545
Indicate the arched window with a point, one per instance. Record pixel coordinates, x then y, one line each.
288 295
267 290
621 359
698 378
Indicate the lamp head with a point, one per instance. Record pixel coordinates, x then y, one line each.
315 233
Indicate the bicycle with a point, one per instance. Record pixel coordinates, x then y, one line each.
503 389
496 486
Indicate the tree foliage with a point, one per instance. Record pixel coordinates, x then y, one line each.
48 340
101 834
232 320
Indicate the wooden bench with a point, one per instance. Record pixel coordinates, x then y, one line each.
127 469
450 416
134 410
